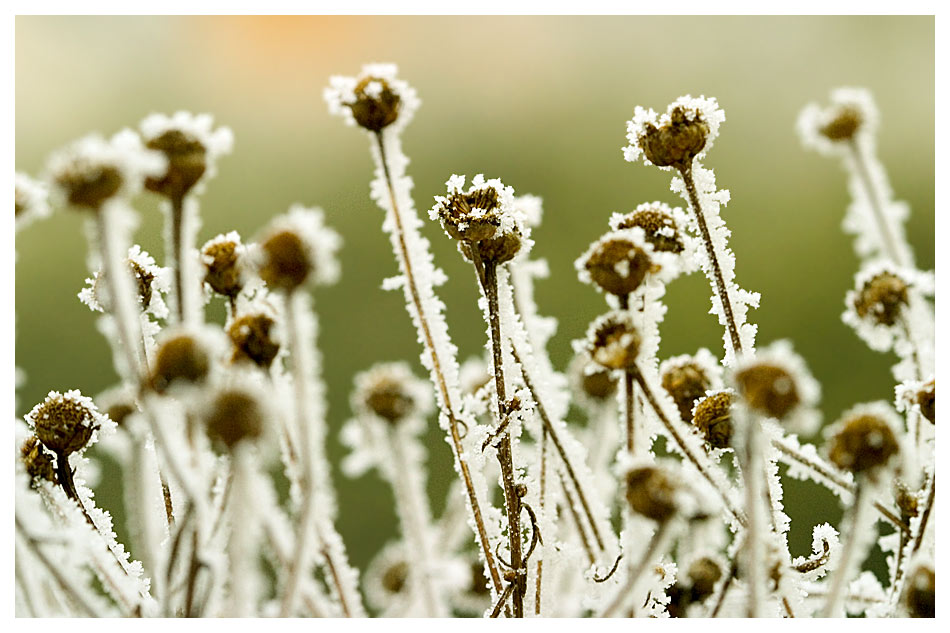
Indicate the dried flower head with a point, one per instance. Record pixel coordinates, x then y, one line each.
881 299
180 358
776 384
919 396
66 422
673 140
221 257
253 337
613 342
877 306
37 461
391 392
850 116
299 248
686 379
151 282
652 491
617 263
93 170
591 382
484 218
31 200
387 577
864 440
235 415
712 416
703 574
191 147
375 100
920 594
658 223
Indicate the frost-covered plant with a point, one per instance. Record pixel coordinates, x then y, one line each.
542 518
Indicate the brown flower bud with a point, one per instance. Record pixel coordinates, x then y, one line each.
920 596
470 217
376 105
863 443
713 417
222 273
596 383
63 423
187 162
617 265
499 249
180 358
907 501
396 576
704 573
614 343
88 185
845 124
389 398
38 462
287 263
651 491
252 337
657 225
926 399
768 389
677 142
233 417
687 383
882 299
119 411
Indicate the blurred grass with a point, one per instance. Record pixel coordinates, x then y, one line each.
540 102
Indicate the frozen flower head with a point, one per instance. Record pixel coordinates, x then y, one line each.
93 170
387 577
687 378
776 384
374 100
221 257
920 592
31 200
117 403
151 281
673 140
253 338
617 263
234 415
658 223
850 115
484 218
66 422
190 146
712 417
613 342
297 249
37 461
182 359
653 491
390 392
864 440
876 307
919 396
592 384
695 586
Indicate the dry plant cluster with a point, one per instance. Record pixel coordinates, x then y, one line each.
667 502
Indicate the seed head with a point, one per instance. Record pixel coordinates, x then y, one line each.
190 147
286 265
147 284
390 392
470 216
920 596
677 142
376 99
862 442
843 125
221 258
927 401
686 383
613 342
713 417
850 115
651 491
65 423
298 248
881 299
768 389
616 264
704 573
396 576
37 460
252 336
658 226
376 105
907 502
234 416
592 382
179 359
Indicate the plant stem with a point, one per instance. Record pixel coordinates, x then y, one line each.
543 487
755 559
177 227
687 174
839 580
629 587
888 242
422 325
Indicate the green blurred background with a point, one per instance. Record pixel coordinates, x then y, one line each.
540 102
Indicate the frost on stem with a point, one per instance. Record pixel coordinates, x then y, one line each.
32 202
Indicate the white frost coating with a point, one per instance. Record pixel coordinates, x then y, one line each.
243 544
91 417
804 417
708 109
32 202
340 94
216 142
92 294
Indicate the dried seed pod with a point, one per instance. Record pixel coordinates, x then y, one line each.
713 417
881 299
390 392
89 186
613 342
298 248
907 501
186 163
590 381
65 422
287 263
180 358
234 416
499 249
119 411
658 226
863 441
843 124
470 216
616 263
376 104
651 491
395 577
927 401
686 382
768 389
676 142
37 461
703 574
221 258
252 336
920 596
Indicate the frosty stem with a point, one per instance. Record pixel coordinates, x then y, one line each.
425 333
687 174
629 587
839 580
888 242
753 473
